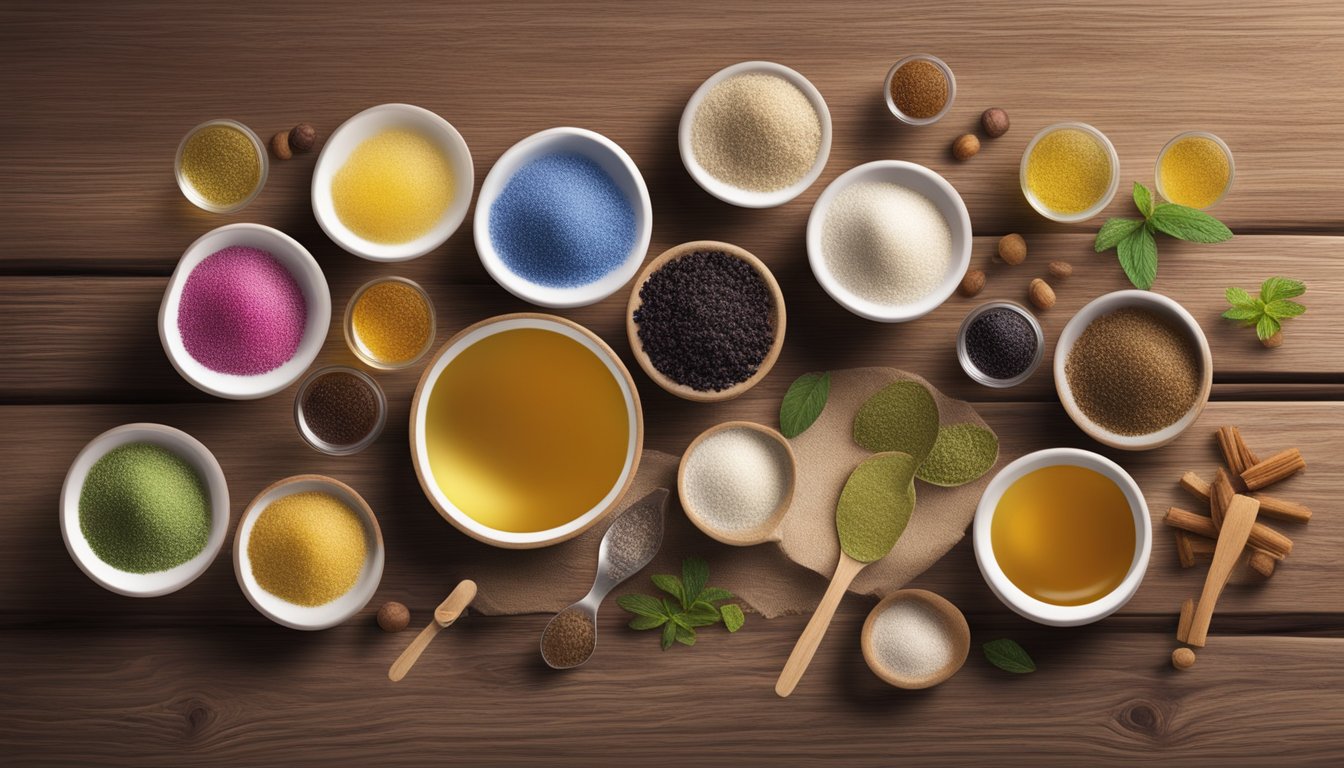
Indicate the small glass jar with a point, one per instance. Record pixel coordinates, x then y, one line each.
334 449
964 355
194 195
951 89
361 349
1096 207
1227 152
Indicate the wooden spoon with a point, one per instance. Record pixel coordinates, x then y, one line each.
816 628
447 612
1237 521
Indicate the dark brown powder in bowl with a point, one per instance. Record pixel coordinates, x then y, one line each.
1134 372
340 408
568 640
919 89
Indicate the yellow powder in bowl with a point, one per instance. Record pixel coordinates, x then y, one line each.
307 548
222 164
391 322
1069 171
394 188
1194 171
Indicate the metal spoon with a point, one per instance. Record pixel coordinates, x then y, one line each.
612 569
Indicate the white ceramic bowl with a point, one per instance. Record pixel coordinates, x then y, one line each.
419 441
1039 610
729 193
912 176
308 617
144 584
306 272
366 125
1104 305
1097 207
622 170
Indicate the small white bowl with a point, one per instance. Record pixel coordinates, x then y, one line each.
365 125
310 617
144 584
912 176
1104 305
1097 207
307 274
622 170
746 198
1038 610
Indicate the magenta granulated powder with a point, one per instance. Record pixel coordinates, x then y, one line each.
241 312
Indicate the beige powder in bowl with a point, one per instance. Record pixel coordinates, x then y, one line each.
756 131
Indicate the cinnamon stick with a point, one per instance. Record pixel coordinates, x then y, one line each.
1196 485
1263 537
1200 546
1280 466
1187 617
1281 509
1184 552
1220 495
1235 451
1261 562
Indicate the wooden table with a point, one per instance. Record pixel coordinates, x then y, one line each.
96 97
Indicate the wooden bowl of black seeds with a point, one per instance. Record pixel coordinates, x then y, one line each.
706 320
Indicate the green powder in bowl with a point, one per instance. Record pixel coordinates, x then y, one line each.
143 509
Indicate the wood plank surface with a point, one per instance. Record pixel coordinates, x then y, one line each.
96 97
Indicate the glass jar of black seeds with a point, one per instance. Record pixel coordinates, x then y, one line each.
1000 344
340 410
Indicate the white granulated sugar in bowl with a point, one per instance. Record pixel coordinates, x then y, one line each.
735 479
886 243
912 640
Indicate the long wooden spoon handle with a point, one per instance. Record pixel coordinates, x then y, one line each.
1237 522
407 658
816 628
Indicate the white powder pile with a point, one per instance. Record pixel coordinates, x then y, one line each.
886 243
736 478
757 132
912 640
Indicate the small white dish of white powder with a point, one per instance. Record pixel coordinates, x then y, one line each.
736 481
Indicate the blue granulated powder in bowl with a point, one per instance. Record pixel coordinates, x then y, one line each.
562 222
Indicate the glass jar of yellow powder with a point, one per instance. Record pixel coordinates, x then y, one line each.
1195 169
390 323
221 166
1069 172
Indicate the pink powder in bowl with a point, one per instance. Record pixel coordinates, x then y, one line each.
241 312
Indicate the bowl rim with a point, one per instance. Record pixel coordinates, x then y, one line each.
964 355
181 444
946 609
456 151
196 198
351 337
728 193
303 617
951 89
591 144
1104 305
305 271
751 536
1227 152
1098 206
778 313
420 403
331 449
885 169
1038 610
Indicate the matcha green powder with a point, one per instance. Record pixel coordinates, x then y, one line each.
143 509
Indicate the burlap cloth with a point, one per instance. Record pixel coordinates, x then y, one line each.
786 575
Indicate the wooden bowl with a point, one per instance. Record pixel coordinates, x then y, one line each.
750 536
777 321
956 626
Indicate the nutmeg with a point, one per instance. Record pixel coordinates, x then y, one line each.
302 137
965 147
1041 294
1013 249
994 122
393 617
1182 658
1060 269
973 283
280 145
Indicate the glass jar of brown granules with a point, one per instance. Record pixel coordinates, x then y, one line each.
919 89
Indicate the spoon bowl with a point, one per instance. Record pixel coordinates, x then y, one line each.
954 624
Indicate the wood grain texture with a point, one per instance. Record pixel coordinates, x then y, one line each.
97 97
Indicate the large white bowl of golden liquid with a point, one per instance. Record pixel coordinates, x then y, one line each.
526 429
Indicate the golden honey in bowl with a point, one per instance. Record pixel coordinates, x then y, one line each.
526 430
1064 535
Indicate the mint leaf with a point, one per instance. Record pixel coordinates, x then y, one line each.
647 622
1188 224
1138 257
702 615
1143 199
803 403
680 620
1276 288
1282 309
1243 314
715 594
685 636
733 618
1009 656
1266 326
671 585
669 635
1113 231
642 605
694 577
1238 297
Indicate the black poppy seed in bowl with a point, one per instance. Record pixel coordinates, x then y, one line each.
704 320
1001 343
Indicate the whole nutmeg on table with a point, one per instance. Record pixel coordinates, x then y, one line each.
302 137
1041 294
1059 269
973 283
994 122
393 617
280 145
1182 658
965 147
1013 249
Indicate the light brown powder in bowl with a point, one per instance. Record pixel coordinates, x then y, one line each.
756 131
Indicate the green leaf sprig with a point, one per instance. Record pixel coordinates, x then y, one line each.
1135 240
1267 311
803 403
694 604
1007 655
